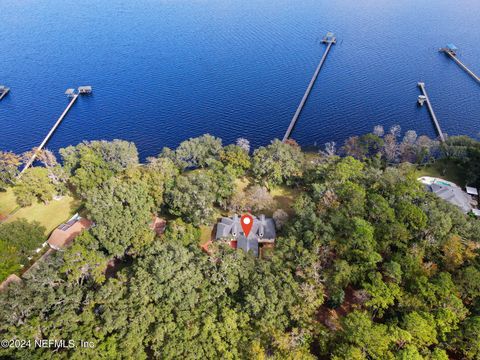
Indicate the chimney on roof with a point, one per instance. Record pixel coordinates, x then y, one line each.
235 225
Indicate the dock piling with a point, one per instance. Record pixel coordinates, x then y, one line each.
329 39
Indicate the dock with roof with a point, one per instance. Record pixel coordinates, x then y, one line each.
451 50
328 39
82 90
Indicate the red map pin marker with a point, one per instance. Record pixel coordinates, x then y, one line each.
247 222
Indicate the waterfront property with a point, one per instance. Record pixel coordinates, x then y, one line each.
448 191
66 233
262 233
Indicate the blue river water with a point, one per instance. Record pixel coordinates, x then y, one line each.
166 70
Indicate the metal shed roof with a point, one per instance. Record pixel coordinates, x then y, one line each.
471 190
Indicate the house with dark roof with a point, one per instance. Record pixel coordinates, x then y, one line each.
453 194
262 232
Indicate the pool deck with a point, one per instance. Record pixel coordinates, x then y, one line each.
428 180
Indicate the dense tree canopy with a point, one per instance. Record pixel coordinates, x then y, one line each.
92 163
277 163
18 239
121 210
366 265
34 185
9 163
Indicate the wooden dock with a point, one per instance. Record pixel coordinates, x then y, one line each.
453 55
74 96
329 39
424 98
50 133
3 91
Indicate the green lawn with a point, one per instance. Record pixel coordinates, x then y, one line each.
445 169
242 183
206 234
49 216
312 156
7 202
285 198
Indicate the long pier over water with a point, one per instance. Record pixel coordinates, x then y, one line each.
424 98
451 50
329 39
74 96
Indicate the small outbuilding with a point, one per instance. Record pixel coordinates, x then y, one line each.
451 47
158 225
329 38
421 99
471 190
70 92
85 89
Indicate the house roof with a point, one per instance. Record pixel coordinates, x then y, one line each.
471 190
250 244
476 212
9 280
230 227
84 88
453 195
262 228
65 233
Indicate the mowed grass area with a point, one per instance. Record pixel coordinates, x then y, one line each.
49 216
206 234
446 169
285 198
242 183
7 202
